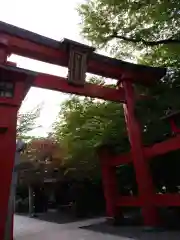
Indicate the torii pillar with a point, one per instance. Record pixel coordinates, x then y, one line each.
13 88
143 175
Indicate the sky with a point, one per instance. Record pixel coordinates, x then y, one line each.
55 19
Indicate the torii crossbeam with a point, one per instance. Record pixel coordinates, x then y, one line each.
79 59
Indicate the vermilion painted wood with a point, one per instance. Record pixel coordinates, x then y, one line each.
55 83
143 175
157 149
28 44
171 118
59 57
7 148
8 119
165 200
174 127
110 190
31 45
161 148
158 200
92 90
109 184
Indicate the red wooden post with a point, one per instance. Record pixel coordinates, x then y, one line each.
110 191
27 44
7 150
109 184
13 89
174 127
143 175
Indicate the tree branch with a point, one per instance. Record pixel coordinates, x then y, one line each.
147 43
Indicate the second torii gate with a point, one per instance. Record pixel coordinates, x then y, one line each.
15 83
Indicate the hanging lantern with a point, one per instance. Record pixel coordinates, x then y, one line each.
78 59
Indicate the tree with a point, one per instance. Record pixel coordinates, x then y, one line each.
154 37
42 159
44 150
146 32
82 124
26 122
138 25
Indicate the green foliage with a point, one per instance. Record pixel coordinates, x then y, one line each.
82 124
147 32
163 98
128 29
138 20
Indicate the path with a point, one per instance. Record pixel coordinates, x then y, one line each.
34 229
94 229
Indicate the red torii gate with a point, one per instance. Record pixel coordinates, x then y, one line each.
15 83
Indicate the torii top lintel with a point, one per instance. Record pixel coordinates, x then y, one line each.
32 45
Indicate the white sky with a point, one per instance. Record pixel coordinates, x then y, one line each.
52 18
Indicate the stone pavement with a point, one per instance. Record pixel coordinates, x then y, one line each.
33 229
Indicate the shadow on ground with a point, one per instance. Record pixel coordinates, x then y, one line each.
136 233
59 217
